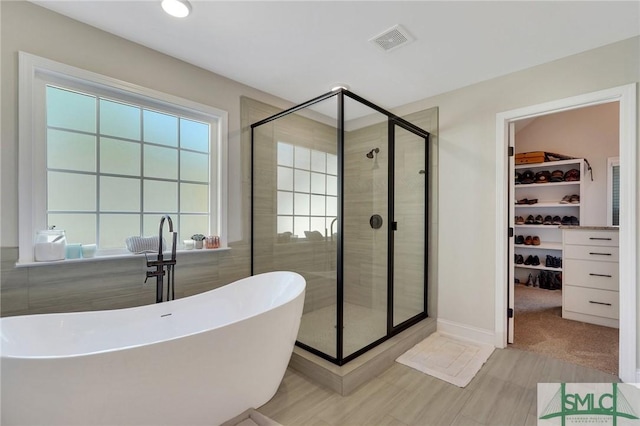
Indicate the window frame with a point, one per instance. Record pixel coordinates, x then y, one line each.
611 163
34 74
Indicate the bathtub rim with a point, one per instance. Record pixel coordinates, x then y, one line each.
298 292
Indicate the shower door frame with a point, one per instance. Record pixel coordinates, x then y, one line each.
392 122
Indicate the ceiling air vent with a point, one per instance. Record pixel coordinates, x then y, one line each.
392 38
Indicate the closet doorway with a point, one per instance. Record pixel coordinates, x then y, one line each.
505 135
569 188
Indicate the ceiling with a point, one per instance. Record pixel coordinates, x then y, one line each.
298 50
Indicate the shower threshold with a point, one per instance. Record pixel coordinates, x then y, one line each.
345 379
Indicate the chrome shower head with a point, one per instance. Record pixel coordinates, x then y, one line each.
374 150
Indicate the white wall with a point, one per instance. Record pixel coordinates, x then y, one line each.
467 167
592 133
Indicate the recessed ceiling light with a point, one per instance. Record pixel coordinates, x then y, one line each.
177 8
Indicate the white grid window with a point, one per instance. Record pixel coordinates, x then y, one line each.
114 168
307 198
104 159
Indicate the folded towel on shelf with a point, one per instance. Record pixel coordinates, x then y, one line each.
144 244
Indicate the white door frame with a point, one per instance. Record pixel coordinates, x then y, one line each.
626 96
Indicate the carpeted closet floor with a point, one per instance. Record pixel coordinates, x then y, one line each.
539 327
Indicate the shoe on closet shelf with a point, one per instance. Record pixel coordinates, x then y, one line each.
566 220
527 201
536 281
528 240
574 221
557 281
566 199
547 220
530 220
519 259
519 239
535 240
556 220
543 176
546 280
527 177
528 260
529 282
539 220
557 176
572 175
535 261
574 199
519 220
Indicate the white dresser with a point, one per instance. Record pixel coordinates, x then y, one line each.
590 275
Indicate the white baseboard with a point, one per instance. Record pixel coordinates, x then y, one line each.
467 332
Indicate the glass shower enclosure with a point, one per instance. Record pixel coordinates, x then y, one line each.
339 195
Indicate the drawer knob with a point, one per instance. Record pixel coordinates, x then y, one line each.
600 254
599 303
600 238
599 275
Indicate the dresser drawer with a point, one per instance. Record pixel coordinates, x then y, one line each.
589 301
585 273
591 238
599 253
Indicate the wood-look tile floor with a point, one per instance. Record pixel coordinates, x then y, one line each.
502 393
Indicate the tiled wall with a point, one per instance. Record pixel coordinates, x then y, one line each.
112 284
365 193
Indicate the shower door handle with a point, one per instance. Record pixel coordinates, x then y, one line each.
394 226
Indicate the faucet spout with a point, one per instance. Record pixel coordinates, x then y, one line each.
160 263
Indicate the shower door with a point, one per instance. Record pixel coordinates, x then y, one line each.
339 195
409 227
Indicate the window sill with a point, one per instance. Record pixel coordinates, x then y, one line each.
118 256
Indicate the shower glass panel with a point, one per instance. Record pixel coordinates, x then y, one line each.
410 215
330 179
366 185
295 199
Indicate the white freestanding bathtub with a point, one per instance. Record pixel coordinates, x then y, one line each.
199 360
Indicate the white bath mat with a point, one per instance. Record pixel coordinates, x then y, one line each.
453 360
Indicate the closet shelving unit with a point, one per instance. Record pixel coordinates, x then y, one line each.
549 196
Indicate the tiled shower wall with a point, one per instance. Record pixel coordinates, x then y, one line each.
366 193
